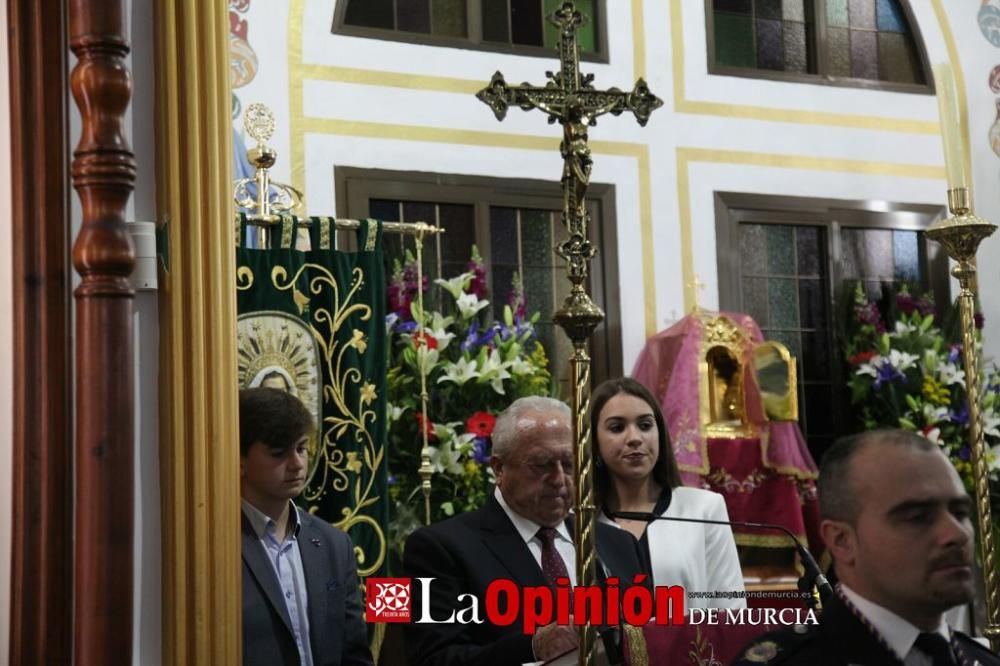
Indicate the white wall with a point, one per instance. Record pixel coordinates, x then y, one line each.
343 101
147 630
978 58
6 346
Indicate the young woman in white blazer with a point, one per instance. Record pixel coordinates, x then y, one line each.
635 470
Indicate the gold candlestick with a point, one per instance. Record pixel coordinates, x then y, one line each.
960 235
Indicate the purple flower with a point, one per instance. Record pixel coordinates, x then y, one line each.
961 417
867 313
954 352
471 336
406 326
480 450
905 303
925 306
516 298
391 480
886 373
979 320
964 453
474 340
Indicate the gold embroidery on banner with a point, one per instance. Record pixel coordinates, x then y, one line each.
345 472
286 231
698 648
372 235
244 278
324 233
638 654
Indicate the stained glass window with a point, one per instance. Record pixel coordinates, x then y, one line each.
839 39
797 277
508 24
513 237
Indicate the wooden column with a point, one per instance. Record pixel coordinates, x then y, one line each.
199 446
42 557
103 173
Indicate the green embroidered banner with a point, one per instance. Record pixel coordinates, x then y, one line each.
313 323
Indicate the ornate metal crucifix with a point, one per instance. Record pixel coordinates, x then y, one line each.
570 98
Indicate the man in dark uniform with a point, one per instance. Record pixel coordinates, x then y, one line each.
895 518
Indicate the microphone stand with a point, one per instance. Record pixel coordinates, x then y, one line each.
810 579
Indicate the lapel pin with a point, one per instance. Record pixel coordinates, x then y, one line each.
315 542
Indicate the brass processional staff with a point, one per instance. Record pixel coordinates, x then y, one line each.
960 235
570 99
272 199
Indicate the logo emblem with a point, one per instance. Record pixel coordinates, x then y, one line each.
388 600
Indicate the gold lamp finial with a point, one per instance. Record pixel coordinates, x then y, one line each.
258 121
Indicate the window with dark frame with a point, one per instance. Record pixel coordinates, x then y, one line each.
518 26
852 42
793 264
516 225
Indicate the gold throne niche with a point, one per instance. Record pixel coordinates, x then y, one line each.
729 361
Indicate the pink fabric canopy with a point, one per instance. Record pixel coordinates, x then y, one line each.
668 366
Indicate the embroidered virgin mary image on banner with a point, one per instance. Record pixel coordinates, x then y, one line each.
313 323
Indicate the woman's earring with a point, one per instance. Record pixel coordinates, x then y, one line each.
598 462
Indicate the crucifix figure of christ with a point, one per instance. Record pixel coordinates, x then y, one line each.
570 98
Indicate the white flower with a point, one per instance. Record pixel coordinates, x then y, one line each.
902 360
903 329
390 321
442 336
456 285
934 414
444 458
991 424
470 304
934 434
439 322
519 366
493 369
460 371
426 359
869 368
995 463
395 413
950 374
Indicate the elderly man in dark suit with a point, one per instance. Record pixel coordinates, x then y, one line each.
896 520
521 533
301 604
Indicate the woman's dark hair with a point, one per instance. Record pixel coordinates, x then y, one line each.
665 471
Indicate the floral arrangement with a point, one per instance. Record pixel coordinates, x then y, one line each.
474 367
906 372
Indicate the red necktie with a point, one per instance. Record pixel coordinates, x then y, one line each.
553 565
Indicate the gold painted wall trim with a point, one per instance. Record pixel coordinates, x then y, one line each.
638 39
199 454
746 111
687 156
637 151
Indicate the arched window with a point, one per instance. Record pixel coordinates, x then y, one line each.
516 26
847 42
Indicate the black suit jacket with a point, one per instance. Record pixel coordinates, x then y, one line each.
464 555
839 639
337 631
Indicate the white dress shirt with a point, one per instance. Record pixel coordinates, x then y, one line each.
528 530
897 632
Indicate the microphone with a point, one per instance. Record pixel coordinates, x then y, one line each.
812 577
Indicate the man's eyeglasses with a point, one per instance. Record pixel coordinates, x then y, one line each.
545 466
